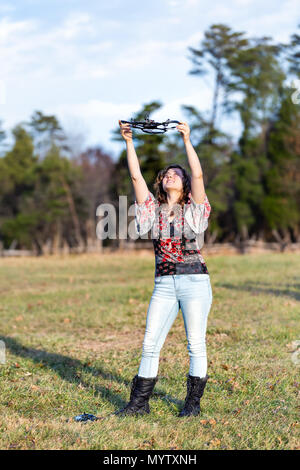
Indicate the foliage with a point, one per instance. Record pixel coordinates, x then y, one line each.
47 195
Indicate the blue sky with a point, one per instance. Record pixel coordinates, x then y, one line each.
91 63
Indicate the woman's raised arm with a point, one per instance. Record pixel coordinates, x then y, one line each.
197 182
139 184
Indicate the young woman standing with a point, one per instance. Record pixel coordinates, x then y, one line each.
178 216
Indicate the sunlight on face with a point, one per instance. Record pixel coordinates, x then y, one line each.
172 175
173 179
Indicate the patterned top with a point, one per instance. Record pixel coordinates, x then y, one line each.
177 243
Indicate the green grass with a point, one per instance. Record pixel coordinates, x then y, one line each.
73 329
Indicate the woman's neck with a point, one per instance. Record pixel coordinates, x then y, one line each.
173 198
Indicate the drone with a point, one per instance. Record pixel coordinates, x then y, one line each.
150 126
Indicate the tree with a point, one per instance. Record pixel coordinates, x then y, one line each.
16 180
219 46
254 87
281 180
18 175
2 135
294 54
51 141
47 132
95 186
40 201
214 157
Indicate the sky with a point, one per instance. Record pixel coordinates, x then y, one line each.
94 62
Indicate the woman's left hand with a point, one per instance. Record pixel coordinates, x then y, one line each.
184 129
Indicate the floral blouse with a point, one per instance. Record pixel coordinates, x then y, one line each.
177 243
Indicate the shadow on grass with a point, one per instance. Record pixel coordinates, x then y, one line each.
70 370
265 288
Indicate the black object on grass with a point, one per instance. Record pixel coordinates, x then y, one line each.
86 417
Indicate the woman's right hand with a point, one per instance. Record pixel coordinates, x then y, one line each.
126 131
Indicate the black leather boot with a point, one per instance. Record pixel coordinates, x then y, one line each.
195 389
141 390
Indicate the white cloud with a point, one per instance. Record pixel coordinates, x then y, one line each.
2 92
6 8
60 66
75 24
174 3
25 48
172 110
152 52
274 22
92 109
192 3
9 28
243 3
173 20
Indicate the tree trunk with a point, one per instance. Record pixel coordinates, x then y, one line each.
296 234
215 101
47 246
56 241
94 244
38 246
73 212
211 237
284 240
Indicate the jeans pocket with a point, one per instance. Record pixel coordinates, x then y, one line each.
196 277
157 279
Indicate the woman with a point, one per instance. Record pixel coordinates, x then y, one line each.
178 217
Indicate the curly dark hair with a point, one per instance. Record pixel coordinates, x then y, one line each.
161 195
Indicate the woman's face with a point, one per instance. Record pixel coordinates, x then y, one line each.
173 179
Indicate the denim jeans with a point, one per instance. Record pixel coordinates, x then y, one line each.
191 293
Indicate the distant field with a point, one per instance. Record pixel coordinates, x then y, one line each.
73 329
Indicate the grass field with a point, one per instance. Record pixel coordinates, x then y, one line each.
73 328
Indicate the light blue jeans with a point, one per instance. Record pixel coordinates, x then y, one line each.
191 293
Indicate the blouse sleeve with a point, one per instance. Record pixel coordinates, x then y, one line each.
197 215
145 214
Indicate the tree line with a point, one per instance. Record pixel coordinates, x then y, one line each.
49 195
